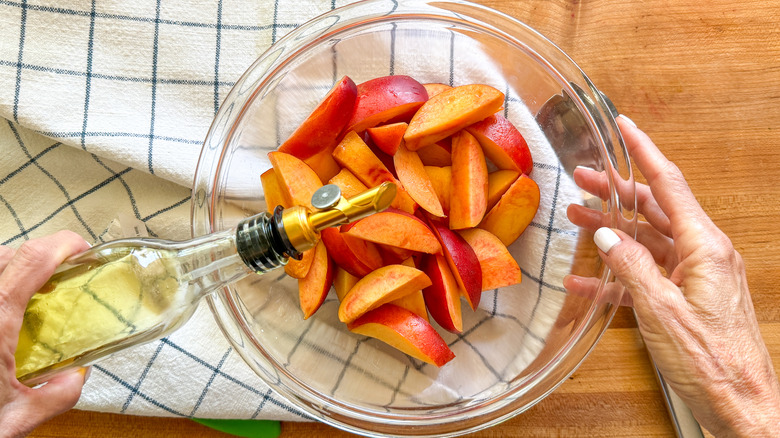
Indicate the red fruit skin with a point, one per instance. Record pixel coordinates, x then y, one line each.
503 144
386 99
462 260
323 127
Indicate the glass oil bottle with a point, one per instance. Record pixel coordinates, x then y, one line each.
131 291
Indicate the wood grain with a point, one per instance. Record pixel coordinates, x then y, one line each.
703 80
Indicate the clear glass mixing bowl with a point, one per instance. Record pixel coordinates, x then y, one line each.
524 340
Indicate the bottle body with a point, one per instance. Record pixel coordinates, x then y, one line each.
124 293
131 291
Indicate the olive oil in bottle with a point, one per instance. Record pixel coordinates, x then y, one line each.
132 291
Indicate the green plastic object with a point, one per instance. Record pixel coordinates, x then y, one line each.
244 428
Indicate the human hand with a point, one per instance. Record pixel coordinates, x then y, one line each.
22 273
698 320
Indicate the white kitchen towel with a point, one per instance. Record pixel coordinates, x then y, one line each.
104 106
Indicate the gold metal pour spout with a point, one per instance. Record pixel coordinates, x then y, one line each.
331 209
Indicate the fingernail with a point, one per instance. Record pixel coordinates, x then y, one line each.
605 239
629 121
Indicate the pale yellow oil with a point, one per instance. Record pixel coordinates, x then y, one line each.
86 308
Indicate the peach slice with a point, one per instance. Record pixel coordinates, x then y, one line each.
299 268
349 184
415 301
498 183
468 199
313 288
503 144
441 179
392 255
435 88
354 154
323 164
463 263
273 192
388 137
357 264
499 268
415 180
437 154
514 211
323 127
381 286
395 228
442 297
450 111
296 177
387 98
343 282
405 331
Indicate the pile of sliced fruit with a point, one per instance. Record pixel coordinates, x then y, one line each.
445 235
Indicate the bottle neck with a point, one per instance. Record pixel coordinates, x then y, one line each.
262 242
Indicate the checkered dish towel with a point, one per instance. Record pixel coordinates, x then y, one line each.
103 109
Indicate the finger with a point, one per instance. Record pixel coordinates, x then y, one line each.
636 269
660 246
55 397
666 182
33 264
6 253
588 287
595 183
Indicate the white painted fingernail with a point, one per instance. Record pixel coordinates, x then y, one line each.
605 239
630 122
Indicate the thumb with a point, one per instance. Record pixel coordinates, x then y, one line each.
56 396
633 264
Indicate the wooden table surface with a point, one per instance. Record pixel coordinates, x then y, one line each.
702 78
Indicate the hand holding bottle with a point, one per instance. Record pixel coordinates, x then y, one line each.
22 273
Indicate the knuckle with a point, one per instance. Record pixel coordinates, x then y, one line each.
629 260
720 250
33 251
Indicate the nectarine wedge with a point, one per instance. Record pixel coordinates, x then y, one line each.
468 199
349 184
388 137
274 194
441 179
404 331
299 268
323 127
514 211
450 111
498 183
442 297
411 173
386 99
395 228
499 268
503 144
435 88
323 164
296 177
356 264
381 286
354 154
414 301
437 154
343 281
463 263
313 288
